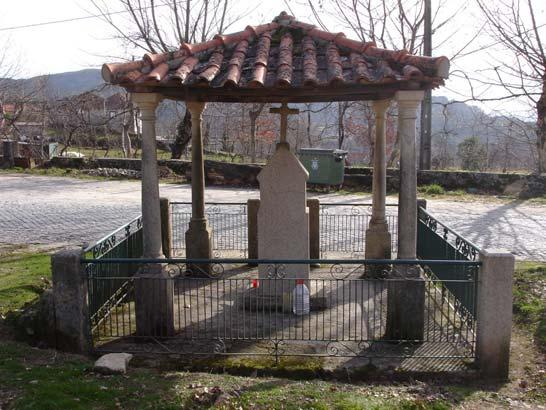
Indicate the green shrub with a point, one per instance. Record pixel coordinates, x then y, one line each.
433 189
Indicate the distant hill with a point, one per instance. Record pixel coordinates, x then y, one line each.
73 83
61 85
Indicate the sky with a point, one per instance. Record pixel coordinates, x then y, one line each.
88 43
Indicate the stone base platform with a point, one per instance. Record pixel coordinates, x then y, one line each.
254 300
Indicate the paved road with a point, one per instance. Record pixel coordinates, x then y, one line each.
39 209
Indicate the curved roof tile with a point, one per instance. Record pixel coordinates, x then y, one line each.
285 54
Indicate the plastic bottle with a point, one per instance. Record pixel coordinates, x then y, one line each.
300 297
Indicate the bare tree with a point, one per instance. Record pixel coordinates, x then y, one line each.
18 98
81 119
518 26
392 24
161 26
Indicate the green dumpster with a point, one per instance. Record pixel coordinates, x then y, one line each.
325 166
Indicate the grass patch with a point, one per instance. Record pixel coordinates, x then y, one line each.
39 379
44 379
529 299
23 276
291 367
432 189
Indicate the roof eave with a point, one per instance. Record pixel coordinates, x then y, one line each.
304 94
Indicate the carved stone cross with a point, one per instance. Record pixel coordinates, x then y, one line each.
284 112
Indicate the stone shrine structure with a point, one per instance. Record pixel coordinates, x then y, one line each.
285 61
283 216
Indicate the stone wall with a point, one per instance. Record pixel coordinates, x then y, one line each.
522 185
231 174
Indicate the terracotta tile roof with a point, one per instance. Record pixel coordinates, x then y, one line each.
282 55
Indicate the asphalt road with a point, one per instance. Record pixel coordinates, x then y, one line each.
57 210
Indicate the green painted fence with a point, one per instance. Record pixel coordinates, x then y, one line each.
125 242
437 241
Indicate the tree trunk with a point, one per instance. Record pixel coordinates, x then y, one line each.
541 129
340 124
395 153
254 114
252 137
309 127
183 136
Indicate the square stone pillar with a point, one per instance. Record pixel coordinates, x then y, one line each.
378 238
313 204
70 297
253 205
494 313
199 234
154 302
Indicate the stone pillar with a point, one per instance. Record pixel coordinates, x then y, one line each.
199 234
406 292
408 102
253 205
313 205
494 313
154 290
166 227
151 215
72 327
378 238
314 228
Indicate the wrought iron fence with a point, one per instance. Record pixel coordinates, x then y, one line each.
104 295
227 220
232 310
342 228
437 241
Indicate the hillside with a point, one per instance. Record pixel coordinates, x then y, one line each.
59 85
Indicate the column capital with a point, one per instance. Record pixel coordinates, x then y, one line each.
146 101
196 108
409 99
380 107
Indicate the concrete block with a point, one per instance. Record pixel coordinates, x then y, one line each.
113 363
